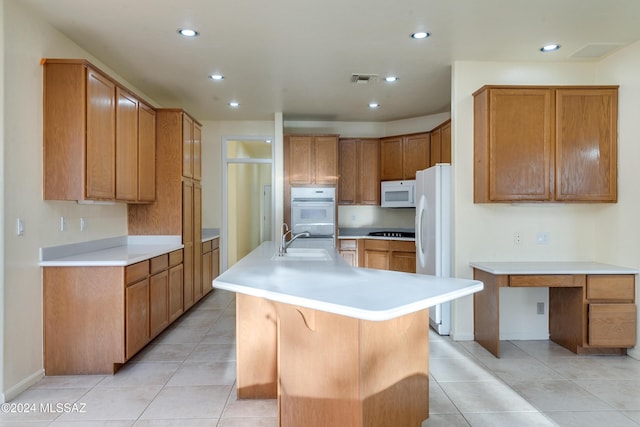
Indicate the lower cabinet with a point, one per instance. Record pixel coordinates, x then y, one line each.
210 264
97 318
394 255
348 248
611 311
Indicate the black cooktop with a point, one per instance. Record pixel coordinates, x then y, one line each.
405 234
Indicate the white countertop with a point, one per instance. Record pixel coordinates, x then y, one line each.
551 267
335 287
118 251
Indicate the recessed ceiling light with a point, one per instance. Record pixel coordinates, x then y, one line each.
390 79
216 77
420 35
373 105
234 104
550 47
188 32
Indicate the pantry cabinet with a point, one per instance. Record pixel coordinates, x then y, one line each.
178 206
146 153
359 182
402 156
91 135
545 144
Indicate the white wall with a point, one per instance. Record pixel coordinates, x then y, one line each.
618 230
484 232
26 40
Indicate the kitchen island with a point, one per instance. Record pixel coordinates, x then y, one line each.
336 345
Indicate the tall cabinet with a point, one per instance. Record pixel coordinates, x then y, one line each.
178 206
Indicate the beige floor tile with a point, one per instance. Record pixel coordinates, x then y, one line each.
634 415
177 335
206 352
447 350
444 370
259 408
508 350
87 423
182 422
204 373
623 395
40 404
188 402
579 368
511 370
249 422
114 403
159 352
562 395
69 381
439 402
509 419
489 396
137 373
591 419
543 349
445 420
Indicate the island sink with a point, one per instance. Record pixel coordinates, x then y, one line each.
303 254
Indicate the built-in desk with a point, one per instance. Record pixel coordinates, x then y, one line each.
591 305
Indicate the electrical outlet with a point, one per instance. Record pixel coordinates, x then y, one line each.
540 308
20 226
517 238
83 224
542 237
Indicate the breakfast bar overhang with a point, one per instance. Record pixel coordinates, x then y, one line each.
336 345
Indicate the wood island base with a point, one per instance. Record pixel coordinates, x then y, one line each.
333 369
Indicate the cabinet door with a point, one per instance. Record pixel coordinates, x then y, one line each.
445 144
326 160
197 242
158 303
391 159
586 144
348 172
435 147
137 317
207 271
300 149
612 325
187 146
101 137
376 254
403 261
187 241
146 153
176 292
215 266
126 146
415 155
520 144
351 257
369 172
197 151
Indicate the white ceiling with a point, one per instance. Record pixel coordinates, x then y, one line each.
297 56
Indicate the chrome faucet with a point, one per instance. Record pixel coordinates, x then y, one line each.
283 241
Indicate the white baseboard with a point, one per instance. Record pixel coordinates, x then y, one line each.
634 352
14 391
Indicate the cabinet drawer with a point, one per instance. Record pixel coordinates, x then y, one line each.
206 246
215 243
611 288
402 246
348 244
547 281
380 245
612 325
159 263
175 258
136 272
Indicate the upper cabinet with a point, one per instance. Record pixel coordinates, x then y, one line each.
402 156
91 136
440 144
545 144
192 148
311 159
359 172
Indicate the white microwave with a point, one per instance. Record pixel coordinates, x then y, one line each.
398 194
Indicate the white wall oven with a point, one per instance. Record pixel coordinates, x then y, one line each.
313 209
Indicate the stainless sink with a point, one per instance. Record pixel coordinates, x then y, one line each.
303 254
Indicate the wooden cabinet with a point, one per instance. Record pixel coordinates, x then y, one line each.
545 144
611 311
210 264
90 135
394 255
146 153
359 182
107 314
311 159
440 144
348 248
402 156
178 206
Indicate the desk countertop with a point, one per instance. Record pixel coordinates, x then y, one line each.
335 287
551 267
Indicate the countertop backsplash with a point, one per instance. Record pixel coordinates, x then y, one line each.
376 217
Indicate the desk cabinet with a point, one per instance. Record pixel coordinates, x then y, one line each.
611 311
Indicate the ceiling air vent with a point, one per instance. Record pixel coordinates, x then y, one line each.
596 50
363 79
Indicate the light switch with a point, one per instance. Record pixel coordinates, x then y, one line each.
20 227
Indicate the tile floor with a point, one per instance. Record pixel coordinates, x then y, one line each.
186 376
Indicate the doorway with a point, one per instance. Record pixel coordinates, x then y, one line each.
247 197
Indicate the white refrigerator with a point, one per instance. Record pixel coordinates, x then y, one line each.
433 234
